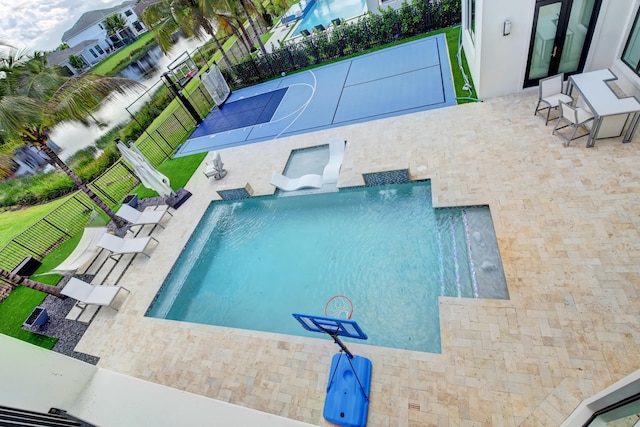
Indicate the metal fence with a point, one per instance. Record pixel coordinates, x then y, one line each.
157 145
111 186
345 39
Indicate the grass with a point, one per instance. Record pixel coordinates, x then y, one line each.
15 222
17 307
109 64
178 170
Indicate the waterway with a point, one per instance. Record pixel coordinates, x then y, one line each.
73 136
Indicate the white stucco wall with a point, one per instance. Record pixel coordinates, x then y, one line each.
36 379
609 41
92 33
498 63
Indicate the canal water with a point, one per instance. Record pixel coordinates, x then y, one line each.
72 137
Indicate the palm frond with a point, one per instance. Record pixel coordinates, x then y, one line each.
81 95
20 116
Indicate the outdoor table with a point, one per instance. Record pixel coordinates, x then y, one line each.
611 112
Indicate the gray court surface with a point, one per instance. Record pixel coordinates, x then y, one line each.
404 79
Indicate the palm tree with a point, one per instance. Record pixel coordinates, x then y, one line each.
167 16
114 23
249 7
31 106
232 11
33 100
14 279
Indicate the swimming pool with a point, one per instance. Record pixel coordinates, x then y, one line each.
323 11
253 262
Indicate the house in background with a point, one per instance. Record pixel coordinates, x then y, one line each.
89 40
30 160
82 50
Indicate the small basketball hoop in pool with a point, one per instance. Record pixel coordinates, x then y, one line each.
339 306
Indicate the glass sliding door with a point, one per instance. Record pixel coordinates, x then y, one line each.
579 19
560 39
545 48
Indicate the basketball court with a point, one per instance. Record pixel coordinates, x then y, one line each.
404 79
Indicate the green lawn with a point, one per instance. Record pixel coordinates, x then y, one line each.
178 170
15 222
108 66
15 309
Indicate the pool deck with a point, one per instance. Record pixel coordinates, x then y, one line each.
567 221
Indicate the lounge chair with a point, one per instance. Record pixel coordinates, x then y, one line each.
285 183
121 246
336 155
135 217
91 294
84 253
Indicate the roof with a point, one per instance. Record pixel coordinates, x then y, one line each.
142 5
59 56
93 17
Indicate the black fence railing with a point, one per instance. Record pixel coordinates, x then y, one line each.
370 31
158 144
111 186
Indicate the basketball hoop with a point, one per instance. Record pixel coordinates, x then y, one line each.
339 306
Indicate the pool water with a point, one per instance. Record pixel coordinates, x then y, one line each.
323 11
253 262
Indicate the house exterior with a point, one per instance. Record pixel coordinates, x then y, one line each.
533 39
82 50
89 38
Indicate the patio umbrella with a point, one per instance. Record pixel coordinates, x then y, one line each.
149 176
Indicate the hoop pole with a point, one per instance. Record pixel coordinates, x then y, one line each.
337 341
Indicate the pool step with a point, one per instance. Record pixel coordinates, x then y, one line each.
455 274
470 265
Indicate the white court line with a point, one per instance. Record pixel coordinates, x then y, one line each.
299 110
302 108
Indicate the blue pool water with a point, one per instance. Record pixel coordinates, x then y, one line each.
253 262
323 11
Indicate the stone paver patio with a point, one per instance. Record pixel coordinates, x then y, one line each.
567 221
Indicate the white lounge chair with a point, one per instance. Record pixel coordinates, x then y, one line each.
285 183
84 253
135 217
120 246
91 294
336 155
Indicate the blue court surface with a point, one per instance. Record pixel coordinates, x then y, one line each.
403 79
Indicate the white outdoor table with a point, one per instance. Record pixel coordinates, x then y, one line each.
611 112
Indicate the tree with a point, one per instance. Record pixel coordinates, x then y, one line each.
167 16
29 111
249 7
114 23
33 100
77 62
234 13
14 279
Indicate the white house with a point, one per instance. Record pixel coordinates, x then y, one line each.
510 45
88 37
